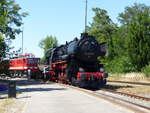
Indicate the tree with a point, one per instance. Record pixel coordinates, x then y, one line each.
135 22
139 39
128 44
10 18
48 42
10 22
132 12
102 26
127 41
2 47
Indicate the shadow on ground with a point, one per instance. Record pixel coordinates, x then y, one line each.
40 89
3 98
23 97
25 82
115 87
31 82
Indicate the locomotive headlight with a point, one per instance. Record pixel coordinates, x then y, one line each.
81 69
101 69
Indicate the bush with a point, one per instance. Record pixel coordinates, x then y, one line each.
146 70
120 64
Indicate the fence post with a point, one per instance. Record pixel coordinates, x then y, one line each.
12 89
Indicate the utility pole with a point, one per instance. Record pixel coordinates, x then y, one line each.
86 16
22 38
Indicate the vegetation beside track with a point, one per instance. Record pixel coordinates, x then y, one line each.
130 77
131 89
141 90
128 43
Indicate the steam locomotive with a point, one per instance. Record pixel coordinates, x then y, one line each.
76 62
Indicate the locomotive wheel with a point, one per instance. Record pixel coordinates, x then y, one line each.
71 72
104 82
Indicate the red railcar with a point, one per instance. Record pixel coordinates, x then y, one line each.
20 65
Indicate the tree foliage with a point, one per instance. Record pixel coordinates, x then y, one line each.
10 18
3 47
10 23
128 44
146 70
48 42
102 26
131 13
139 39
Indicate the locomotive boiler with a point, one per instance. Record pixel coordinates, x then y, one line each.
76 62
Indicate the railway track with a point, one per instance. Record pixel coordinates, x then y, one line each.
126 82
128 101
135 107
127 94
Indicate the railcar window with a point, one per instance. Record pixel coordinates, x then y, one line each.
31 61
36 61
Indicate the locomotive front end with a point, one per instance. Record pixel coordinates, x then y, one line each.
88 49
84 67
92 80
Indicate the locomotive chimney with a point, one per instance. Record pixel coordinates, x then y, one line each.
84 35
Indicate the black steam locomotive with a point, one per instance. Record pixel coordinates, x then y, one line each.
76 62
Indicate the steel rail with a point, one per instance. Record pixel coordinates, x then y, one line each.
137 108
126 82
127 94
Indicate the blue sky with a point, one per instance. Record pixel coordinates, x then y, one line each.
61 18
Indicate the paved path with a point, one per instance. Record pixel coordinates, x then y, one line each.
53 98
